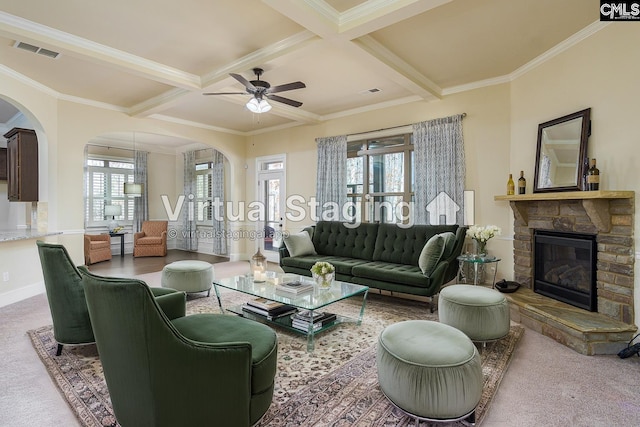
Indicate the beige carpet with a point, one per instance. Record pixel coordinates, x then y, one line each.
334 385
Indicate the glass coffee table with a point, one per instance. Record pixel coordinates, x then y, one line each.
314 300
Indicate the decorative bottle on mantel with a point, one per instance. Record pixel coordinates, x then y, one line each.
522 184
593 177
511 188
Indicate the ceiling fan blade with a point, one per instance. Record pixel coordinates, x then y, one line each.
288 86
250 87
225 93
284 100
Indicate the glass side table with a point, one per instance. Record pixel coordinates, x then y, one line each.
472 268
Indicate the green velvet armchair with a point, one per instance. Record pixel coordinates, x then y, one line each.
65 293
197 370
63 283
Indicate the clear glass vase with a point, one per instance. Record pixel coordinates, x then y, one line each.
480 248
324 281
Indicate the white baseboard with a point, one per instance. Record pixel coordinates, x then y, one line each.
21 293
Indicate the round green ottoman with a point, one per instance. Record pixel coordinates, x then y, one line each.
479 312
429 370
188 276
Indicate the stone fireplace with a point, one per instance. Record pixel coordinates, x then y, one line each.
607 215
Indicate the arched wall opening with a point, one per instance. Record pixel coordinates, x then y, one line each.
24 215
109 162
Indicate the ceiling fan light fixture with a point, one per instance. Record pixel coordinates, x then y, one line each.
258 106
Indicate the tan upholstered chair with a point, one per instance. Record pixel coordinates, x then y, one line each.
151 240
97 247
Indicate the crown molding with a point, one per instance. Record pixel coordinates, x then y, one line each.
92 103
373 107
476 85
299 117
275 128
23 28
9 72
571 41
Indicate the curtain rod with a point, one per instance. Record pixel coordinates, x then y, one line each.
396 127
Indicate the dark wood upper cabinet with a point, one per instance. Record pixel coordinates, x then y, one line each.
22 165
3 164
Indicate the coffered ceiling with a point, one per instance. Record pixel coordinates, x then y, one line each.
156 57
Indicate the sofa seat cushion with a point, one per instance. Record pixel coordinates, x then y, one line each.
222 328
304 262
343 265
406 274
150 240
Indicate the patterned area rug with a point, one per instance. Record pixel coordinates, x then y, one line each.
336 385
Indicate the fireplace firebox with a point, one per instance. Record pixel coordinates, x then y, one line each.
565 267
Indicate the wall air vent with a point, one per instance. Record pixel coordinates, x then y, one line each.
35 49
368 91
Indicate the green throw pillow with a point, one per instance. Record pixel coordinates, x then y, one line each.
299 244
431 254
449 243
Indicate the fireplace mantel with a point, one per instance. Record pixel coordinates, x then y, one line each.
594 203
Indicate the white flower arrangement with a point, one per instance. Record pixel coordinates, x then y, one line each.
322 268
482 234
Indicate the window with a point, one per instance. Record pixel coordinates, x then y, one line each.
105 185
380 178
203 196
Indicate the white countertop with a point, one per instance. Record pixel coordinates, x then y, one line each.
13 235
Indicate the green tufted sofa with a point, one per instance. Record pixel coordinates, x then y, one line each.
381 256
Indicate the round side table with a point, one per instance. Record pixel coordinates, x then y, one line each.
476 266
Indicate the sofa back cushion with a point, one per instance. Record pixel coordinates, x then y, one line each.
337 239
299 244
404 245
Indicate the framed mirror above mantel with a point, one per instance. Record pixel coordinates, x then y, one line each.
561 153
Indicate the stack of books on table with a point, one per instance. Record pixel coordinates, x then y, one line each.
303 319
269 309
295 287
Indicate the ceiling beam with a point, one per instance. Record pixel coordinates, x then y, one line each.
395 68
21 29
254 59
374 15
349 31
